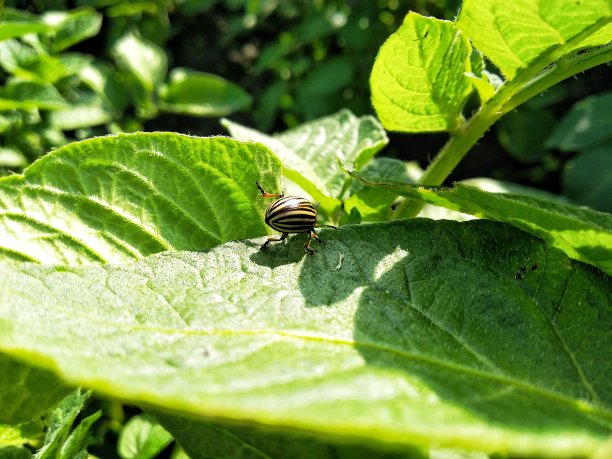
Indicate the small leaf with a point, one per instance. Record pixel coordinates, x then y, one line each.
72 27
418 80
309 151
89 111
80 438
470 335
583 234
12 159
513 35
143 59
61 421
201 94
585 126
523 133
587 178
16 23
142 438
28 95
122 197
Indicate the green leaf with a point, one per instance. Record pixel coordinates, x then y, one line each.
523 133
28 95
16 23
26 393
372 204
11 158
143 59
101 78
61 421
587 178
469 335
142 438
308 152
17 57
205 440
201 94
21 434
583 234
14 452
80 438
514 35
71 27
418 80
116 198
88 111
585 126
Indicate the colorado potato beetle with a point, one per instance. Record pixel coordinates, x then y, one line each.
291 214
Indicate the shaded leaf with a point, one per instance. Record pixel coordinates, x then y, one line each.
587 178
204 440
26 393
585 126
117 198
418 80
423 335
14 452
201 94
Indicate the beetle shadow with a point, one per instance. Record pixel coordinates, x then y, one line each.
276 254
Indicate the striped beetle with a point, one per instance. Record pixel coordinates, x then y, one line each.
291 214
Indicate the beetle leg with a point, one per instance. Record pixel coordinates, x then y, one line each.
312 235
274 239
268 195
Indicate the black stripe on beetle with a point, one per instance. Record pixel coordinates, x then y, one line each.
291 214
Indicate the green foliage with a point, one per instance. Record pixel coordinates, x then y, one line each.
48 92
399 330
26 392
129 268
142 438
583 234
60 443
585 129
116 198
426 88
309 152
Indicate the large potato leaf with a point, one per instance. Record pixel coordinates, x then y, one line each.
419 78
116 198
514 35
466 335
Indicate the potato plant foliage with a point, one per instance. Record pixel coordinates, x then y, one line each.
132 273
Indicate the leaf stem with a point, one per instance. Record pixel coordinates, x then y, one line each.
528 82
